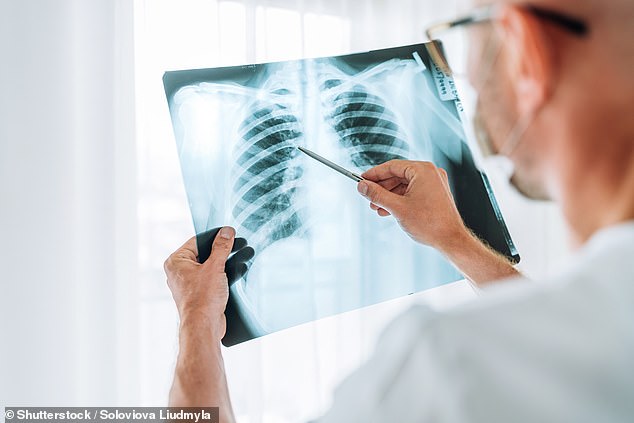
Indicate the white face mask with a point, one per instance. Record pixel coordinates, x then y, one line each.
497 158
501 165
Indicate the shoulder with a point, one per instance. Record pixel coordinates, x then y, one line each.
595 291
432 366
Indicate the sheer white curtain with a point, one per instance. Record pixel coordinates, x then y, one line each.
67 203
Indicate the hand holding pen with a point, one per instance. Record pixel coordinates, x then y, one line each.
417 194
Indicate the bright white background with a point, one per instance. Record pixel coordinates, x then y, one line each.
91 198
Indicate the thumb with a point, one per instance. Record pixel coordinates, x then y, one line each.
221 249
379 195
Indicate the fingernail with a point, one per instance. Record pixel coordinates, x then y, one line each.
225 233
362 187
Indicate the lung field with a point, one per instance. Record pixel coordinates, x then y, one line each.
367 130
268 173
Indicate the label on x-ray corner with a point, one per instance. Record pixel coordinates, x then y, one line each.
444 83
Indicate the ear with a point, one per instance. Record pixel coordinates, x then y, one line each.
529 57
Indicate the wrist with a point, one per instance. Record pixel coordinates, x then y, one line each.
203 321
456 242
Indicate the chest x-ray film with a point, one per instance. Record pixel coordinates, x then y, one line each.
320 250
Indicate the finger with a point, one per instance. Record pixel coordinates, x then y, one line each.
382 171
204 242
379 195
394 168
238 244
246 254
391 183
189 250
206 238
236 267
400 190
381 211
186 252
236 272
444 177
221 249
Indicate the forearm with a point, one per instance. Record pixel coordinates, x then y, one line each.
476 260
199 378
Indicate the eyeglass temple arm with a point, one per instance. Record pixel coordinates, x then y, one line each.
485 13
481 14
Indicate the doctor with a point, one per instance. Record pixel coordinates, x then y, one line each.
556 96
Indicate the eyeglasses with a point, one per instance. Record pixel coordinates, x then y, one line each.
442 52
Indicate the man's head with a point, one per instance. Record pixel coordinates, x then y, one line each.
559 103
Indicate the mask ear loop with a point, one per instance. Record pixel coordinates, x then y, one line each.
489 57
516 134
498 159
523 123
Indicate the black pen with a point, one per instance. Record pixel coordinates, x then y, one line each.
343 171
